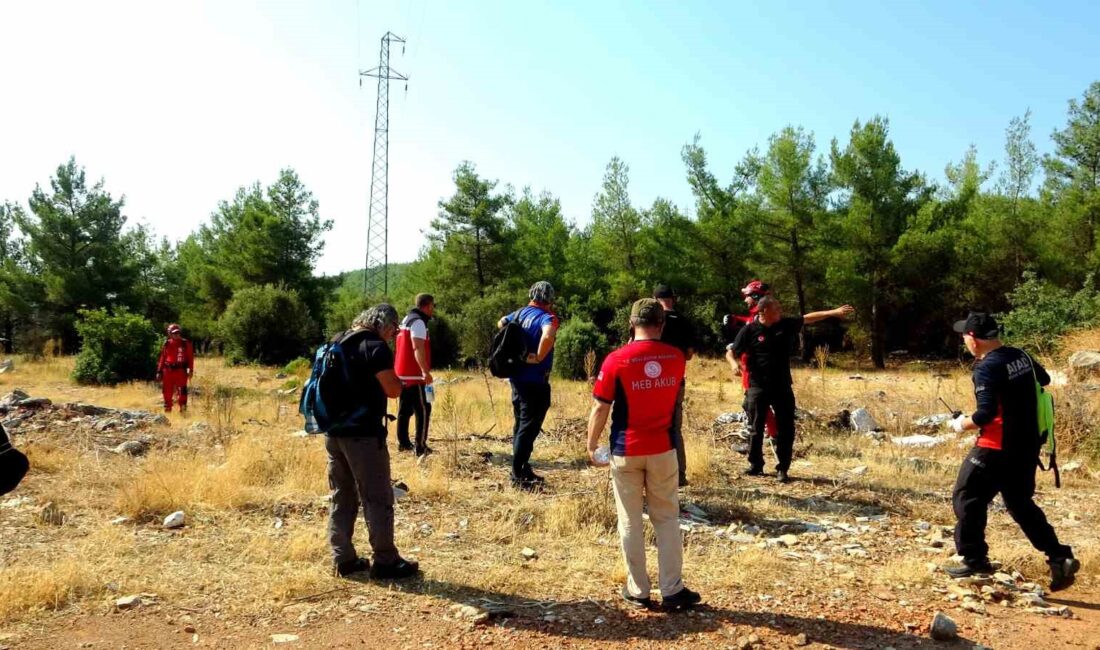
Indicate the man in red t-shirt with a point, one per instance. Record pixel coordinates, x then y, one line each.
637 387
175 366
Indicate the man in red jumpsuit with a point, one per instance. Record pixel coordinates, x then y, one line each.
174 368
753 292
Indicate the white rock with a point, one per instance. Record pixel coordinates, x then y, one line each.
1058 378
863 422
132 448
7 365
529 553
919 440
1071 466
128 602
283 638
1084 362
175 520
118 521
858 471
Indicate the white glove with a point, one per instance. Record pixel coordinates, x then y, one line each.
956 424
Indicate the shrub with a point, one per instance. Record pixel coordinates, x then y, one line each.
115 347
478 322
1041 312
444 341
576 339
265 324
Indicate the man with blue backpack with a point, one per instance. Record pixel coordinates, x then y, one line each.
346 399
1008 389
531 382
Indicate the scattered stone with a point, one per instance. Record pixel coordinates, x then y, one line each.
11 399
175 520
801 640
283 638
118 521
858 471
1061 610
919 440
788 540
129 602
281 375
132 448
198 427
529 553
1071 466
190 629
51 515
973 607
943 628
1084 363
399 493
933 421
863 422
923 526
7 365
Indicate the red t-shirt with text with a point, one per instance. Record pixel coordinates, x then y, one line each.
641 381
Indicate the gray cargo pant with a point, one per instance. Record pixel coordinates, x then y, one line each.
359 473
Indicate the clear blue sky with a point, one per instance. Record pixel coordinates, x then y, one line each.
177 105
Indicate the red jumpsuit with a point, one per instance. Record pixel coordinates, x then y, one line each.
176 363
769 419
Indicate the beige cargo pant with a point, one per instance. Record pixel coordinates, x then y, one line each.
653 479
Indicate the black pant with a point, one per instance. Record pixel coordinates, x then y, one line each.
413 402
530 402
984 474
757 403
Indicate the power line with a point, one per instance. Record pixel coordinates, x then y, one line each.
376 271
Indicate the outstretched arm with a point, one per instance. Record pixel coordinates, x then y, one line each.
840 312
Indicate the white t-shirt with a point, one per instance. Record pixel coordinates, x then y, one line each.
418 329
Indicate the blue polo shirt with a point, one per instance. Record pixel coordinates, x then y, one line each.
532 319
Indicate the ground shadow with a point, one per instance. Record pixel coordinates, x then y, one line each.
576 620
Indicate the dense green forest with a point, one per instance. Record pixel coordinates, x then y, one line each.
847 222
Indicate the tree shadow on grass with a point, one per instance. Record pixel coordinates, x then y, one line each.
576 620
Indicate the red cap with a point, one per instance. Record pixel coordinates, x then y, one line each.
756 288
173 328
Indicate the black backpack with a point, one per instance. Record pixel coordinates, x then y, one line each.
13 464
508 352
328 399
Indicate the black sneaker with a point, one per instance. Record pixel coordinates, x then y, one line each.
754 471
424 451
351 567
682 599
637 602
526 484
400 569
1062 572
969 568
405 446
532 476
782 477
684 482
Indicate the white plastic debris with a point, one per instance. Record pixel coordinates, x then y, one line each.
174 520
918 441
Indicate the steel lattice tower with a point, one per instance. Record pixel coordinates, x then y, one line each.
376 271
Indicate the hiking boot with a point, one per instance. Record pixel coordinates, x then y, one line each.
532 476
395 571
1062 571
351 567
969 568
637 602
682 599
405 446
782 477
684 482
424 451
754 471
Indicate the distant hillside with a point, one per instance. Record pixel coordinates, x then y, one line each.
354 279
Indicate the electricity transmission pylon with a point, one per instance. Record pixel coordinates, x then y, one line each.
376 271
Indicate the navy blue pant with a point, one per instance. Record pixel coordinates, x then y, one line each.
530 402
984 474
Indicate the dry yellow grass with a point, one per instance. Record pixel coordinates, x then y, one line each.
254 493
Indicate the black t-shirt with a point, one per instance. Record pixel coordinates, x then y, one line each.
367 355
1004 387
678 331
769 351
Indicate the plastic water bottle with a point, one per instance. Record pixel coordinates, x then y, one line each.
429 393
602 455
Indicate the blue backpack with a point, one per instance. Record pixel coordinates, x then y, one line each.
328 401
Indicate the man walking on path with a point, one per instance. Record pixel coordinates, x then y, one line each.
175 367
358 460
1005 457
531 387
413 365
638 386
679 333
767 343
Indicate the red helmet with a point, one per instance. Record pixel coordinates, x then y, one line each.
173 328
756 288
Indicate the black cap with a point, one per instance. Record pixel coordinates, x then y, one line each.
980 325
663 291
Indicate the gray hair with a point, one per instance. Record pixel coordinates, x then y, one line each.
542 292
377 318
766 302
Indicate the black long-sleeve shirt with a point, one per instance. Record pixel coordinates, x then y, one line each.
1007 405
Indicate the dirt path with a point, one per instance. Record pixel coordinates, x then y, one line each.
413 618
